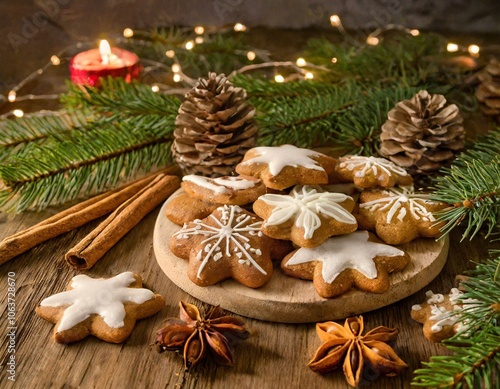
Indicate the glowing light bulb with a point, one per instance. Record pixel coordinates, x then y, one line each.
155 88
372 40
198 40
473 50
335 20
199 30
251 55
128 33
334 60
279 78
177 77
189 45
309 76
415 32
176 68
55 60
301 62
452 47
239 27
12 96
18 113
170 53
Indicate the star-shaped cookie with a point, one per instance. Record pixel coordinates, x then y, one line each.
105 308
284 166
226 244
344 261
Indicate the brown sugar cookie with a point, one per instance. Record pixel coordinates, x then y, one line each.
226 244
438 314
371 172
237 190
284 166
185 208
346 261
104 308
398 215
308 216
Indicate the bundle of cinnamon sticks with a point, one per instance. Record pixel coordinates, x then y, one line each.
126 207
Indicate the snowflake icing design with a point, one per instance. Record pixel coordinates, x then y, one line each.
231 227
303 204
365 164
399 201
105 297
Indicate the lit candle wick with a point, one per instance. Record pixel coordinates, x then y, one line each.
105 51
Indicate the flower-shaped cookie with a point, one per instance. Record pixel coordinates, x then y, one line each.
284 166
307 216
398 215
226 244
371 172
344 261
105 308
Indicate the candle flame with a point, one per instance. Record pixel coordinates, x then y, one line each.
105 51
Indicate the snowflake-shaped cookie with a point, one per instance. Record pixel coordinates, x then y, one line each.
344 261
226 244
398 215
105 308
283 166
307 216
371 172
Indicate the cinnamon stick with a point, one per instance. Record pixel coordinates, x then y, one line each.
86 253
68 220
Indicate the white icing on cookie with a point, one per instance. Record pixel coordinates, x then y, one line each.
104 297
442 317
303 205
286 155
351 251
231 228
416 307
220 185
434 298
365 164
400 201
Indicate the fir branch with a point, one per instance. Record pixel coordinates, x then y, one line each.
472 186
476 359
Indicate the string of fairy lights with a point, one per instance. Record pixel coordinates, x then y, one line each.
300 69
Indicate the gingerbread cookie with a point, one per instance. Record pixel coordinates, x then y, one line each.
438 314
346 261
371 172
398 215
226 244
238 190
185 208
308 216
105 308
284 166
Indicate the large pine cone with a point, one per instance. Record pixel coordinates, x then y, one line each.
423 133
488 92
214 128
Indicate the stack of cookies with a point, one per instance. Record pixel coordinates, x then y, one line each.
292 205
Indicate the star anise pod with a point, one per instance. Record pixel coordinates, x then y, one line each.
346 343
196 334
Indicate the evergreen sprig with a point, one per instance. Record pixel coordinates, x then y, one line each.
475 362
472 186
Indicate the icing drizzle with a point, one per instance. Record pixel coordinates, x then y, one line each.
231 227
399 201
351 251
221 184
104 297
365 164
303 204
286 155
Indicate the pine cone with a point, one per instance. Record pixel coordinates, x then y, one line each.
214 128
422 133
488 92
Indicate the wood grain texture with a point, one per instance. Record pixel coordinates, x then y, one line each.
289 300
274 357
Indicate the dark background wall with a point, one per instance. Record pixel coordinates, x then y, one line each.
32 30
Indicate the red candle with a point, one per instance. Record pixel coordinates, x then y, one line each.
88 66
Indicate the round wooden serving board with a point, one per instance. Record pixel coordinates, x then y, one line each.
290 300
